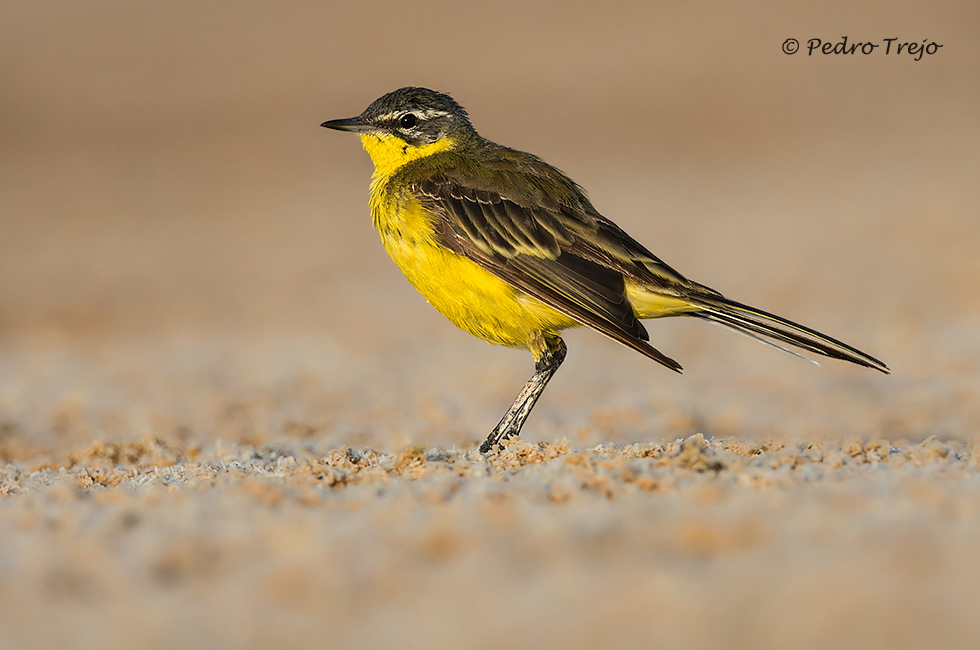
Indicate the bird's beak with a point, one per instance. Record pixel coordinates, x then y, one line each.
353 124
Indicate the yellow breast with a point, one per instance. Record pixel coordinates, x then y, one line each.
472 298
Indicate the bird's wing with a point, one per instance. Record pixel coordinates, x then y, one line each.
553 251
528 224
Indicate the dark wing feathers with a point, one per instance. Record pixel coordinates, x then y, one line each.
496 225
527 229
544 252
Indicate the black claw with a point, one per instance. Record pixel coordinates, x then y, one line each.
487 447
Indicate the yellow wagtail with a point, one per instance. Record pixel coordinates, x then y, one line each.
510 249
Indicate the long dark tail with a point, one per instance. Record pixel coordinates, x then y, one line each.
758 324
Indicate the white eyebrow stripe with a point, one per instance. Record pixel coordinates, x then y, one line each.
424 113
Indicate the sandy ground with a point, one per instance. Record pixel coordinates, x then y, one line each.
227 421
692 543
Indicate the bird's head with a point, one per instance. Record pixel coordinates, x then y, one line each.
408 124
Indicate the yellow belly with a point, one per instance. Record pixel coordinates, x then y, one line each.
472 298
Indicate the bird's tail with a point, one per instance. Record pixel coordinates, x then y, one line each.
767 328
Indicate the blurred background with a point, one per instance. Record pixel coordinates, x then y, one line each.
184 251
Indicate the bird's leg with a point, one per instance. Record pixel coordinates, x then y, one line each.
548 353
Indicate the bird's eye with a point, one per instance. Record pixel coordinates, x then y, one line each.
408 121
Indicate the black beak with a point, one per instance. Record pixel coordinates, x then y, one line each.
353 124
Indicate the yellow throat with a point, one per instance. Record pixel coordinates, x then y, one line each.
389 152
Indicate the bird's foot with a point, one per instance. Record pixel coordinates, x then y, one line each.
504 429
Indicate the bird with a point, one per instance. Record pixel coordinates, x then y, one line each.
511 250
